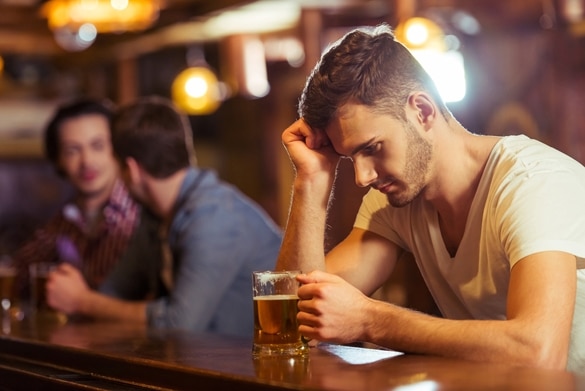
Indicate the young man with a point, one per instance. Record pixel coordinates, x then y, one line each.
93 231
216 236
496 224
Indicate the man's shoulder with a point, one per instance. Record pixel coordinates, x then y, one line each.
206 187
523 147
518 155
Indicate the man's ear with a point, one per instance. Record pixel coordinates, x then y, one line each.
424 106
133 171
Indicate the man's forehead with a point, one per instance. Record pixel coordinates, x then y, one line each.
345 139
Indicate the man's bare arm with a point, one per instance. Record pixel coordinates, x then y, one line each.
315 162
304 237
99 306
68 292
536 332
364 259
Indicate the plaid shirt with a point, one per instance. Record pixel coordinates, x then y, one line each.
65 238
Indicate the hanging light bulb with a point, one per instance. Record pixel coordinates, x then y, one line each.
106 15
421 33
74 41
197 91
437 54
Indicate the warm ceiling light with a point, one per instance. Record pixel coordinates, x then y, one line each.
106 15
418 33
196 91
436 54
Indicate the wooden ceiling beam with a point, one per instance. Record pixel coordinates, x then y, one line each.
12 42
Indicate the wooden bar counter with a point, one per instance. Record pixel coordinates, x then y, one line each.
49 355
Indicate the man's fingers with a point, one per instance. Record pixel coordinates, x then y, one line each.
298 130
315 276
301 131
66 269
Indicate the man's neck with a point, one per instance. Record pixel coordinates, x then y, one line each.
458 172
91 204
454 192
91 207
164 194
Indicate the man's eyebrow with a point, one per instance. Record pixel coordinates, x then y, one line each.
362 146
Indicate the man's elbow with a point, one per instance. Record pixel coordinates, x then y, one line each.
546 354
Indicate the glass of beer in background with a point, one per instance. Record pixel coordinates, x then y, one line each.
39 273
7 277
39 307
276 331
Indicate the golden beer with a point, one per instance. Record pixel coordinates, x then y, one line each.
276 331
39 274
275 319
39 293
7 277
275 325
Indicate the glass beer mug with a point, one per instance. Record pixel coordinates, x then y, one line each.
276 331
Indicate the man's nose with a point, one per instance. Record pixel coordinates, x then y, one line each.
365 174
86 156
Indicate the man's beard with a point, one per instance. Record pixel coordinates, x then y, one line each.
419 152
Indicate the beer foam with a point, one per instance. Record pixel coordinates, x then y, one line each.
276 297
273 276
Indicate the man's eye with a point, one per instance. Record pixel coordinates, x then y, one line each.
69 151
371 149
98 146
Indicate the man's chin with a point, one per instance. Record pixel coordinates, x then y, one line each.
398 201
91 191
401 199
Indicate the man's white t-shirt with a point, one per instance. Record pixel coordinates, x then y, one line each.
531 198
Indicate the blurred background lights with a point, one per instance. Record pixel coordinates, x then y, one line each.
76 40
197 91
466 22
437 53
447 71
119 4
255 82
257 17
417 34
107 16
425 385
196 87
87 32
420 32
